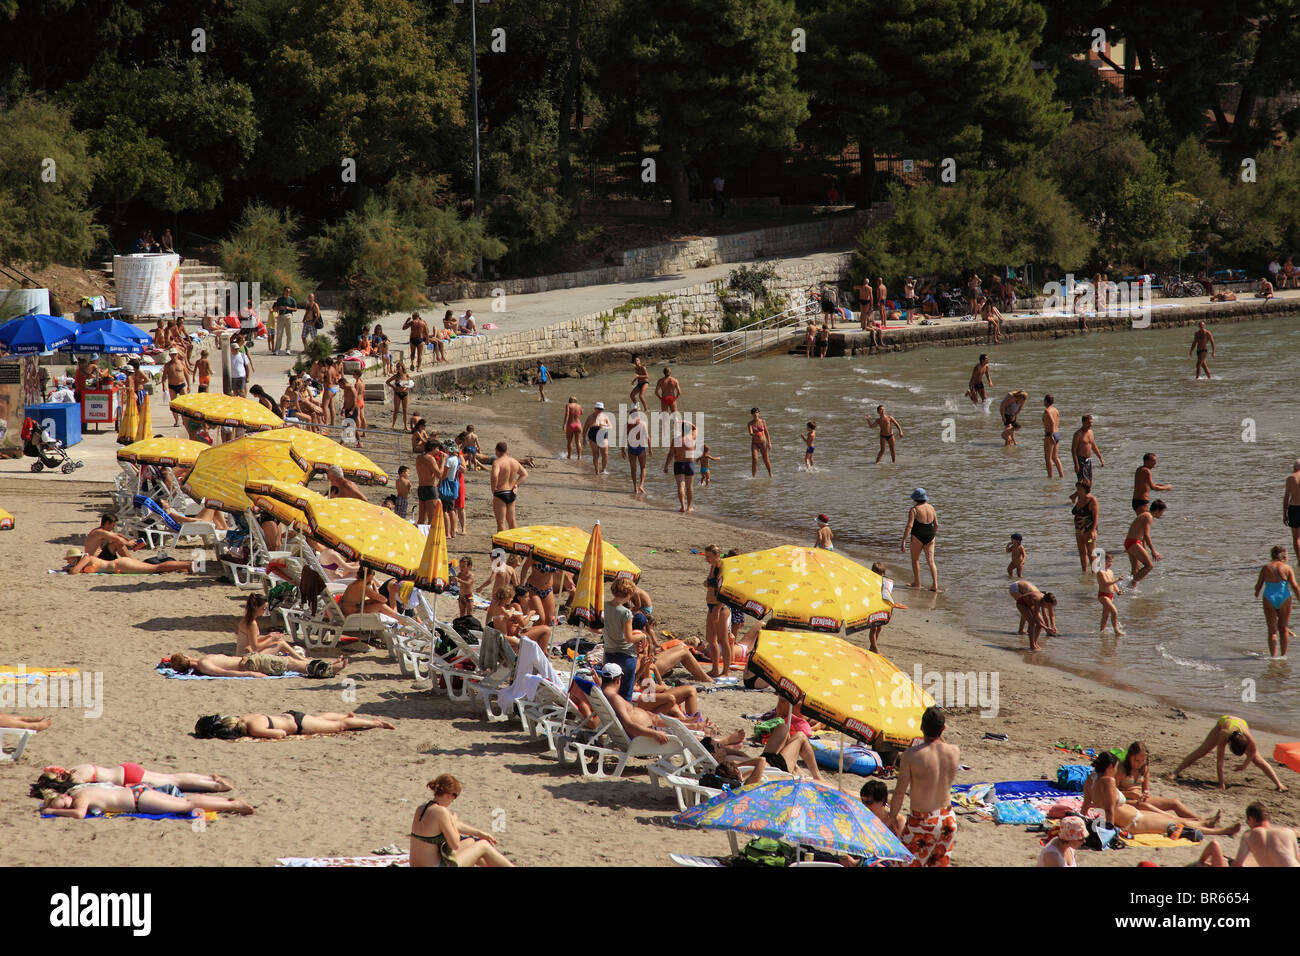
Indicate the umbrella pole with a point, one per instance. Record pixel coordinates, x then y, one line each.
841 760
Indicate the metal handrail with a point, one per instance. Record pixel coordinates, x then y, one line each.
761 333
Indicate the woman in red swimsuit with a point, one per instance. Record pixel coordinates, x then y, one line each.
130 775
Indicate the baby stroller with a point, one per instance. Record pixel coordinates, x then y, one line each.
47 452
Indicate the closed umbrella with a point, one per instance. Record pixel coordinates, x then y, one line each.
588 603
6 521
432 574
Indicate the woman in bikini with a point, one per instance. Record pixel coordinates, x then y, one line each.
572 428
760 444
96 799
1037 610
1106 591
682 702
398 383
922 526
717 625
250 640
1086 522
1278 582
539 582
503 615
438 838
290 723
1101 790
1134 781
129 775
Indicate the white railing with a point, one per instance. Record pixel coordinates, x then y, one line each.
763 333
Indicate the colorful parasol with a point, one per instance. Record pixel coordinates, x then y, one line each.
566 547
805 587
164 452
230 410
432 572
845 686
802 813
367 533
321 451
220 474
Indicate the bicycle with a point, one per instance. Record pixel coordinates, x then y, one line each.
1179 285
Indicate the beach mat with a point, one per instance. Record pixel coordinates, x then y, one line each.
1156 840
9 674
174 675
394 859
1021 790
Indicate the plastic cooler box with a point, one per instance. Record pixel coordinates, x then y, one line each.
63 421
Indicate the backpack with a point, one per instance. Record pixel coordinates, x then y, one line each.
722 777
1071 776
764 851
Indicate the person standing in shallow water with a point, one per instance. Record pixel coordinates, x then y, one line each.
1277 581
1202 342
760 444
922 526
1051 437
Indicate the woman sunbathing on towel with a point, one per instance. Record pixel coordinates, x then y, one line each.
93 799
78 562
249 638
438 838
1134 781
128 775
290 723
1100 790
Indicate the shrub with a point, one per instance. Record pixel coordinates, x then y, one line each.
261 249
751 278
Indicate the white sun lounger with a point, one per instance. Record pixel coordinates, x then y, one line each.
16 738
612 743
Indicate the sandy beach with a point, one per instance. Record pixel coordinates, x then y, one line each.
353 793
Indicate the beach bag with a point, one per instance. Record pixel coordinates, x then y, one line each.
1071 776
1100 836
766 852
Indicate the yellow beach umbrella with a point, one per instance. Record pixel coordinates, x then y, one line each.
163 452
283 500
6 521
367 533
321 451
230 410
432 572
566 547
221 473
806 587
847 687
588 605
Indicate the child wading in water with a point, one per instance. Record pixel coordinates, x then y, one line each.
824 533
1017 551
810 443
705 458
1107 588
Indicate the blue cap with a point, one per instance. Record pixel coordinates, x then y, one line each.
639 621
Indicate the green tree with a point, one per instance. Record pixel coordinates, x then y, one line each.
176 133
702 81
1141 227
446 242
930 79
46 170
1097 153
261 249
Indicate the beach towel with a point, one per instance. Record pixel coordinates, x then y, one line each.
176 675
1017 811
1019 790
33 675
397 859
208 815
1155 839
531 668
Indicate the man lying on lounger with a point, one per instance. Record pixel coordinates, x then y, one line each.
104 542
78 562
254 665
637 722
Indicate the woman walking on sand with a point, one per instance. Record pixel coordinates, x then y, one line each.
922 526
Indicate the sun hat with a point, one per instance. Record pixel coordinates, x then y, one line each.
823 519
72 553
610 670
918 495
1073 828
600 405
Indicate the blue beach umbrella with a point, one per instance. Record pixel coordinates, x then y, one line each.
804 813
33 334
119 328
104 343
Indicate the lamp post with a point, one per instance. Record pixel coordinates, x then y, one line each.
473 82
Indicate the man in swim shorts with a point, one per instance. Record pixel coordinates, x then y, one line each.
1083 447
1291 506
980 374
927 771
105 543
681 455
1202 342
426 482
506 476
1144 484
1138 540
255 665
668 391
1051 437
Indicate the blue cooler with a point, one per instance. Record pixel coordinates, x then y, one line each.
60 420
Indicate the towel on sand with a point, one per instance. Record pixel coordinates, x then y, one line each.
176 675
1156 839
9 674
207 815
401 859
